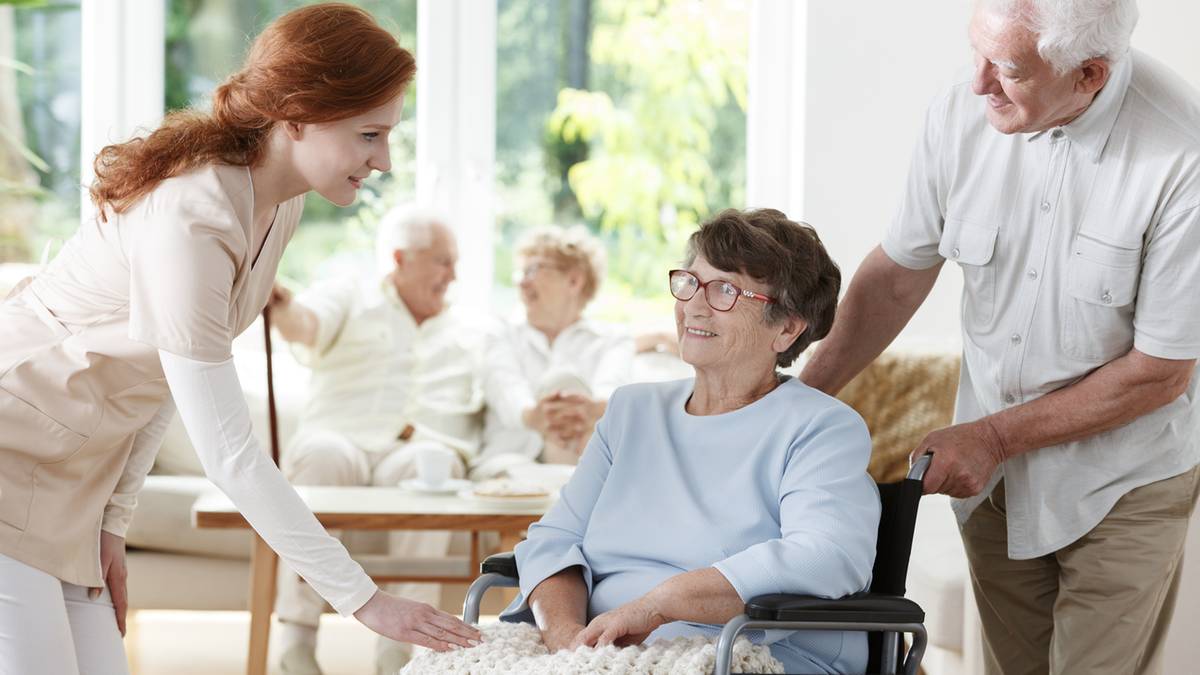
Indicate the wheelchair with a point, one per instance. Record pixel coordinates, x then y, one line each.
882 611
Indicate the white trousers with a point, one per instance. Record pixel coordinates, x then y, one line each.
329 458
50 627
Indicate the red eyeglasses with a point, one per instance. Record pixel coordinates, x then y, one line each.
720 295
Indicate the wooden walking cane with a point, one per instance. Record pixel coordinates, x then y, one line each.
263 560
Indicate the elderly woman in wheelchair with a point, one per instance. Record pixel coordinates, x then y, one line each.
694 496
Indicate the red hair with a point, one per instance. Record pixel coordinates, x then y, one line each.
320 63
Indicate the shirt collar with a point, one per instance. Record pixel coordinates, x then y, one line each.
538 338
1092 129
388 294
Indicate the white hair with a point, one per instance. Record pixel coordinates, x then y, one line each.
1070 32
408 227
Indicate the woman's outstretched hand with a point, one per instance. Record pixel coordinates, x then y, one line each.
629 624
415 622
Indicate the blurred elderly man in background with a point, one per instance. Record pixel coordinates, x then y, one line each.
394 381
1064 179
549 376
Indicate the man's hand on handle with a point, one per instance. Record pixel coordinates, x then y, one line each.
965 457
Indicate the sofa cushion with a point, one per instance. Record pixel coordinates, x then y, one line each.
163 521
937 572
177 581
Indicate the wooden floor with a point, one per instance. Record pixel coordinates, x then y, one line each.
214 643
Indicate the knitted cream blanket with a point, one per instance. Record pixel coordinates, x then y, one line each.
518 648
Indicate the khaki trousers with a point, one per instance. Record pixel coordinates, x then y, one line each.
1100 605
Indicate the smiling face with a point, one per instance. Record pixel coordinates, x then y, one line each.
333 158
738 339
551 291
1023 92
423 275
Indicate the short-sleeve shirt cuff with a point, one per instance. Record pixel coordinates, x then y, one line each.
904 257
1164 350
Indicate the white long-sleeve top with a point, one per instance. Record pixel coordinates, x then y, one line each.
214 411
518 356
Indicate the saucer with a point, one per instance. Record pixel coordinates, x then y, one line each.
450 486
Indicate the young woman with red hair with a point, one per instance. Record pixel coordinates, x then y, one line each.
134 319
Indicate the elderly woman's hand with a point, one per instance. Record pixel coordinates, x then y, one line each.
629 624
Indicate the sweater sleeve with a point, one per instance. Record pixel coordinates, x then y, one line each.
556 541
829 517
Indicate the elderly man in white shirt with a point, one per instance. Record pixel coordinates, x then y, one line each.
1064 179
548 377
394 378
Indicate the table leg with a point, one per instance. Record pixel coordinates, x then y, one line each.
262 604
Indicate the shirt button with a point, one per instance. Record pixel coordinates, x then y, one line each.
1057 133
1045 206
1015 339
1032 273
954 253
1010 399
1106 298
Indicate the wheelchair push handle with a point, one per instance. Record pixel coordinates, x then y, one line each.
919 467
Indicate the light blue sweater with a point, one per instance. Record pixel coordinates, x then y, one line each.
774 495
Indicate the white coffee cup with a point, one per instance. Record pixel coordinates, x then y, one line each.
434 464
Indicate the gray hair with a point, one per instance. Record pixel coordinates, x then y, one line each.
1070 32
408 227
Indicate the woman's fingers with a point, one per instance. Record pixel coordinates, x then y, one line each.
587 636
453 626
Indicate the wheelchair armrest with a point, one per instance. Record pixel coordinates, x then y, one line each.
504 564
858 608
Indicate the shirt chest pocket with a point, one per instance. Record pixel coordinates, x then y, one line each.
1098 302
973 246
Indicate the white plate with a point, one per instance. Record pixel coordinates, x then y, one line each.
515 502
451 486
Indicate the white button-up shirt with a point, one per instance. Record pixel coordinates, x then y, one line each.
1076 244
518 356
375 371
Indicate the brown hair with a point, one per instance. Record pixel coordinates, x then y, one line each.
787 256
574 248
320 63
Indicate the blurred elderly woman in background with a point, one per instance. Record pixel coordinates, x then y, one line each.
745 481
549 376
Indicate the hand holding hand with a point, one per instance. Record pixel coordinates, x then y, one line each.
114 573
965 457
629 624
416 622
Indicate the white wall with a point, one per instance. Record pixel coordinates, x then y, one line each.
871 69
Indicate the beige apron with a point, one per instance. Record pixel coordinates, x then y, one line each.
75 388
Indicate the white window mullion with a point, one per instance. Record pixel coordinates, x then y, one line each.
456 129
123 75
775 118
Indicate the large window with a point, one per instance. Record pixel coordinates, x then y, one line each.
206 40
39 127
629 117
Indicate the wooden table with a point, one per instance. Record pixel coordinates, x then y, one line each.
364 508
